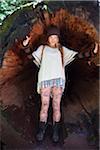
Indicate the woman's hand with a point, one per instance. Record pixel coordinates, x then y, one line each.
95 51
26 41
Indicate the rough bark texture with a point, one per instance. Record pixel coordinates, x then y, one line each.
18 75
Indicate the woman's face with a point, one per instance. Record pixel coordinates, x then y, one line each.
53 40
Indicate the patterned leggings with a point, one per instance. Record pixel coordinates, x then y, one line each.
45 99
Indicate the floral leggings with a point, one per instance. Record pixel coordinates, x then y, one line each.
45 99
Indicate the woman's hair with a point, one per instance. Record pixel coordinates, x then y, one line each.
62 53
60 48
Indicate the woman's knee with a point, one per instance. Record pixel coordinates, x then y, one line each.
45 105
56 107
57 94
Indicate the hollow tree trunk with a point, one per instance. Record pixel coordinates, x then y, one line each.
18 75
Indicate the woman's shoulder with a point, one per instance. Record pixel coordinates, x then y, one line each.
40 46
66 49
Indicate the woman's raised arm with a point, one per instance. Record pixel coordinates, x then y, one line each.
89 53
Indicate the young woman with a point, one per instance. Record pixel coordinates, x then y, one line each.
52 59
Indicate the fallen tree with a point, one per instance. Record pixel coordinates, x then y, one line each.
18 75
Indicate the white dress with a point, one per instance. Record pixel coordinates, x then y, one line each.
51 65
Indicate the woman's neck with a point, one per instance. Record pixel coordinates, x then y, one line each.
52 46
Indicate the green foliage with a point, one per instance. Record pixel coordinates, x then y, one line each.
8 21
7 7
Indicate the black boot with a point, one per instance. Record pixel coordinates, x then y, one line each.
41 131
56 130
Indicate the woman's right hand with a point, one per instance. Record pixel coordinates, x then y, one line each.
26 41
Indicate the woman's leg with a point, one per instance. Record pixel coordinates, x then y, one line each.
45 99
57 94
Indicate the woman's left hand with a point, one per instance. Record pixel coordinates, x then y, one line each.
95 51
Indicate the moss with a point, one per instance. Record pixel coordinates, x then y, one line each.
10 18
